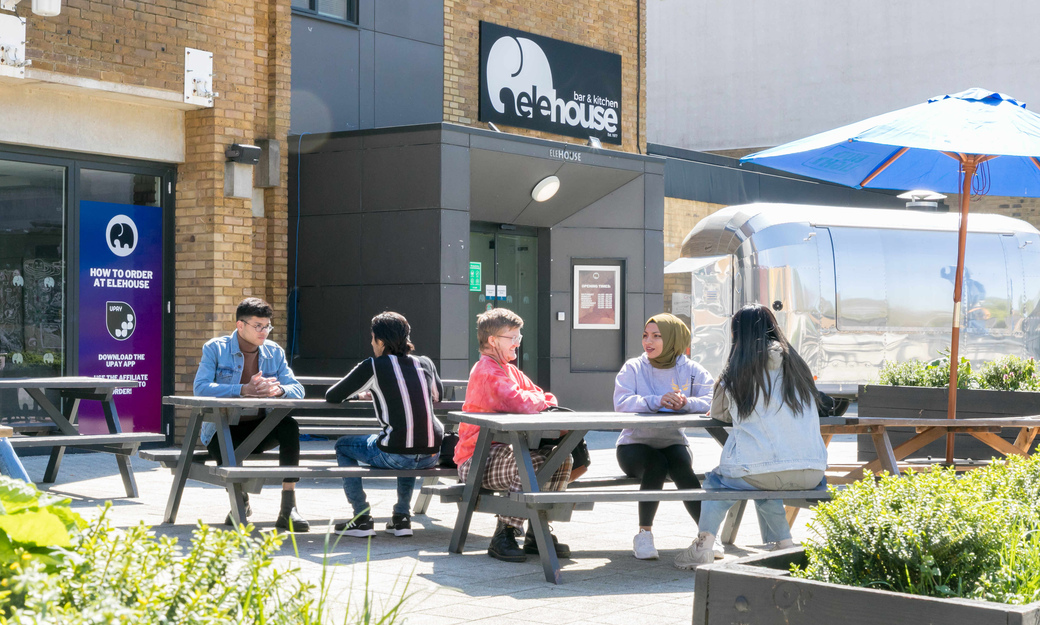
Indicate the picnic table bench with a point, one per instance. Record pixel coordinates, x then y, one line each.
63 430
320 417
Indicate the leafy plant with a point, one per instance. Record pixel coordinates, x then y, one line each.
934 534
1010 373
935 373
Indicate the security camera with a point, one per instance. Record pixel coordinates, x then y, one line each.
241 153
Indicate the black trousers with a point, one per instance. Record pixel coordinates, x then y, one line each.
285 436
651 466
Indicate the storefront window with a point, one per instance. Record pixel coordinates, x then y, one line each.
32 269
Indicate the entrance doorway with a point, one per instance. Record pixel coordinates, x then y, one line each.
506 261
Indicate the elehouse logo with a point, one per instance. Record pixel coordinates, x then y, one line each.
582 98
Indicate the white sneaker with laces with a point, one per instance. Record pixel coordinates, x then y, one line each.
699 553
643 546
786 543
718 549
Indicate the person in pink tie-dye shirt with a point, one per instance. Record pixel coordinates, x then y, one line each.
495 385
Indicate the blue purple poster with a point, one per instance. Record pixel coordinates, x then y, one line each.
120 310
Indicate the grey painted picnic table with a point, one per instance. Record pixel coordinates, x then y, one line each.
74 389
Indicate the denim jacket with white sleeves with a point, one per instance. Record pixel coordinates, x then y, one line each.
220 372
773 437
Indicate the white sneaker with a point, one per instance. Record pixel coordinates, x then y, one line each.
718 549
643 546
786 543
700 552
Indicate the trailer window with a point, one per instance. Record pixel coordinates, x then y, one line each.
899 280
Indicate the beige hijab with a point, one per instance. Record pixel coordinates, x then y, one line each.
676 339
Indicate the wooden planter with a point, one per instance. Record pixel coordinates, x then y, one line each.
758 590
931 403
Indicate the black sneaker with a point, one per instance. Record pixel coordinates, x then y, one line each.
360 527
399 525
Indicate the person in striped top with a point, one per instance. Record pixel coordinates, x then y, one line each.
403 388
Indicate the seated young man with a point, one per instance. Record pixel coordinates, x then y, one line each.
246 364
495 385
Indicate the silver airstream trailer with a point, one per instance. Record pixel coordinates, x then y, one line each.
854 287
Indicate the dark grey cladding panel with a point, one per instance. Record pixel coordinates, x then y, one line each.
330 183
582 391
429 133
653 262
568 243
419 303
329 322
580 186
401 247
323 143
401 178
455 321
421 20
367 14
324 95
455 180
622 208
653 202
326 367
637 310
454 250
560 331
409 81
454 369
367 92
540 148
330 250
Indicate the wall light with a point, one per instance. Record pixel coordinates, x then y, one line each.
545 189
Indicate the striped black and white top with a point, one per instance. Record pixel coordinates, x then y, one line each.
403 390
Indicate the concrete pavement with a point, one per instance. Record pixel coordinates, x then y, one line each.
602 582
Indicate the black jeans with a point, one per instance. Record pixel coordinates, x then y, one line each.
652 466
285 436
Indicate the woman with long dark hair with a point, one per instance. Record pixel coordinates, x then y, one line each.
660 379
768 393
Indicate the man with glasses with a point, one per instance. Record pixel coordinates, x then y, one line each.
246 364
495 385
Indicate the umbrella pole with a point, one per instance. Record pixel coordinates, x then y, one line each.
968 164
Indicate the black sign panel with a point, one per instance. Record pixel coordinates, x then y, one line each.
544 84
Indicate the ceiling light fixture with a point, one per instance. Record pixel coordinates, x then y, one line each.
545 189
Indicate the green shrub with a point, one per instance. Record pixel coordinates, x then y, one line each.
934 534
1010 373
935 373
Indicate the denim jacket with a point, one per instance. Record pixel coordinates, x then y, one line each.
220 372
773 437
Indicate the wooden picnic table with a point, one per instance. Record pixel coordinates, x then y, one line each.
73 390
228 411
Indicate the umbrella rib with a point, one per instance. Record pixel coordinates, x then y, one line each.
883 166
1036 163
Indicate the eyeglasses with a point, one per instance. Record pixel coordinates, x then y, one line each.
259 328
515 339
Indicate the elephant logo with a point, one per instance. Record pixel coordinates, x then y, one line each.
17 358
121 235
518 65
120 319
48 282
48 359
18 280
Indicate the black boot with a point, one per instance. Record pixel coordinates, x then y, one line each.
288 513
531 546
503 545
249 511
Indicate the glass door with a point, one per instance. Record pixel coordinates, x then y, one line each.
507 265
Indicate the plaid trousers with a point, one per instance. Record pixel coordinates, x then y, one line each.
501 473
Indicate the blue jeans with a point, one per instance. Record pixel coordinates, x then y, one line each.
10 465
771 518
352 450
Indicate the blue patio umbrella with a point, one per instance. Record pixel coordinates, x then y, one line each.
976 140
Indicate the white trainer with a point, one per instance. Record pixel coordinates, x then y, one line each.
643 546
786 543
699 553
718 549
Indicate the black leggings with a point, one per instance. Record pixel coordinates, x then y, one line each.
652 466
285 436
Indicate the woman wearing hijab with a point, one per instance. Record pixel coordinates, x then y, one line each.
661 379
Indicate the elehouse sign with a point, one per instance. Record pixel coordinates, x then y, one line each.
544 84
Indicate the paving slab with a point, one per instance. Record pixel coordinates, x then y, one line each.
603 583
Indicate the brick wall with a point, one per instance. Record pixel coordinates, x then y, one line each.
1024 208
680 216
610 25
222 252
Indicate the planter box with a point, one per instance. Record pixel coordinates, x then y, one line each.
931 403
758 590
